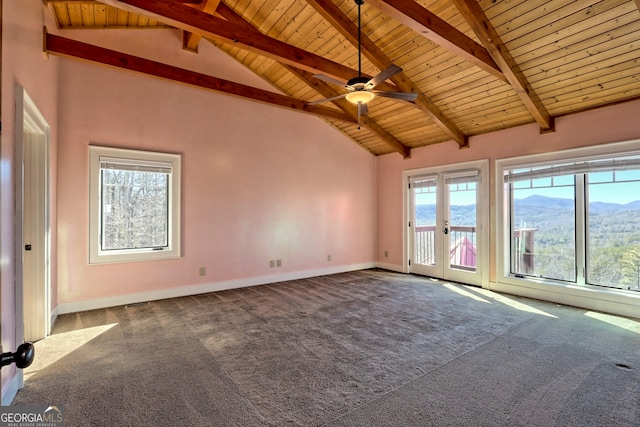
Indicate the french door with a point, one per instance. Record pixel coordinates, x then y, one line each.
446 227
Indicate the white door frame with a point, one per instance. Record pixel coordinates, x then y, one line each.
1 349
482 229
29 117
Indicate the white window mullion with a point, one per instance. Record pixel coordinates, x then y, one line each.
581 229
508 193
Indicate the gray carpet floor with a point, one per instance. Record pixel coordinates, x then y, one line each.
368 348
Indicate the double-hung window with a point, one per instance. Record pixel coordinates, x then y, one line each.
575 220
134 205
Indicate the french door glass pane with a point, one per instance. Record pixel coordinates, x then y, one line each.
462 230
613 221
544 228
425 227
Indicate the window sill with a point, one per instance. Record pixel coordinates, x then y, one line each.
616 301
133 257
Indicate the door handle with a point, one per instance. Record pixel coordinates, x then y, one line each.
446 230
22 357
27 247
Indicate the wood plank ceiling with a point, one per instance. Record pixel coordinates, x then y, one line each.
477 66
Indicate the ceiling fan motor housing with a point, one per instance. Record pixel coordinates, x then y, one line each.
358 83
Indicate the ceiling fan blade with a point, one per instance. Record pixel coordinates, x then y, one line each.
330 80
333 98
383 75
406 96
362 109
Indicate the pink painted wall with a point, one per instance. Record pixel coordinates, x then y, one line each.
606 125
259 183
23 63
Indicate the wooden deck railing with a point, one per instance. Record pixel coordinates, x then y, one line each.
524 248
425 252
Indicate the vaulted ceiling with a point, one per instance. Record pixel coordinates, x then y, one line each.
476 66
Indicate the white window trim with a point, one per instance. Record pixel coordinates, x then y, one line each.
617 301
96 153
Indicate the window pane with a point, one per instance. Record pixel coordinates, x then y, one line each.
425 203
563 180
541 182
522 184
633 175
544 230
462 226
462 202
134 209
601 177
613 221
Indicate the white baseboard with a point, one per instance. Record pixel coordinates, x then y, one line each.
12 387
182 291
391 267
615 302
611 301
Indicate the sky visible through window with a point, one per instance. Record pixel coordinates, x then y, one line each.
620 192
625 189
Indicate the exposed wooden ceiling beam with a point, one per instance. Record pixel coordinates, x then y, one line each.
488 35
345 26
230 15
193 20
193 3
413 15
327 91
190 40
324 89
74 49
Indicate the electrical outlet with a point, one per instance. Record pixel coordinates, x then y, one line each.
279 263
386 254
272 264
202 271
328 257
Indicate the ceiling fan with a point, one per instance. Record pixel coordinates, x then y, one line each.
361 88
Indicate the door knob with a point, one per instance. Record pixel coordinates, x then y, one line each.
23 357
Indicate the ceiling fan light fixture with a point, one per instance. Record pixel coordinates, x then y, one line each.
360 97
